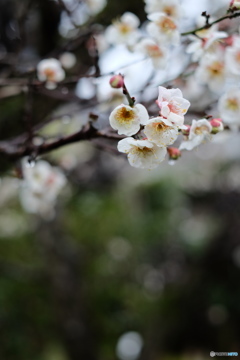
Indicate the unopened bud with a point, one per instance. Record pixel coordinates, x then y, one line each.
217 125
116 81
235 4
174 153
186 131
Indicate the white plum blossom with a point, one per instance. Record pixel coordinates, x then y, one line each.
127 120
158 54
200 46
172 105
200 131
232 57
95 6
163 28
142 153
168 7
68 60
160 131
41 186
124 30
229 106
51 71
211 71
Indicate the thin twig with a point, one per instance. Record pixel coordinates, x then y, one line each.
207 26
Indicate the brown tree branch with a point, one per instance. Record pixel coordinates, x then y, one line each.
15 150
208 25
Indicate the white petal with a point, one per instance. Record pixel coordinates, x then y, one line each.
124 145
142 113
130 19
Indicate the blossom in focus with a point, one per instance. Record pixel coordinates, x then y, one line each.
232 57
199 132
200 46
168 7
123 31
163 28
229 106
157 53
127 120
172 105
211 71
41 186
161 131
68 60
142 153
51 71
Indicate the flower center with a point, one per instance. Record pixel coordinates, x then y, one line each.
201 129
143 152
154 51
167 25
232 104
216 68
124 28
50 180
49 73
160 127
124 115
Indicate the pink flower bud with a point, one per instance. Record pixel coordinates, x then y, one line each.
116 81
229 41
174 153
187 130
217 125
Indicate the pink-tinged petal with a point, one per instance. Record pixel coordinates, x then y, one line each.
182 103
176 119
165 111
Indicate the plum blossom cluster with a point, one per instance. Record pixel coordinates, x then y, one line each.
40 187
152 136
147 141
217 57
161 32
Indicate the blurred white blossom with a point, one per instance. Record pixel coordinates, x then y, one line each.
124 30
51 71
41 186
163 28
